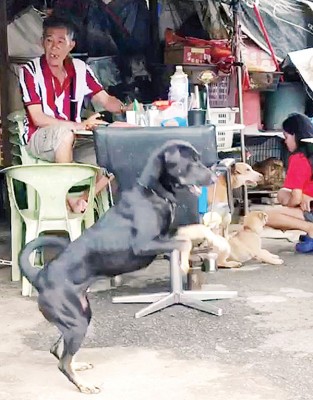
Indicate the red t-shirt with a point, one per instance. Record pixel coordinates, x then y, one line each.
299 174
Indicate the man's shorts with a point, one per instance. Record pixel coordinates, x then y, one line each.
45 141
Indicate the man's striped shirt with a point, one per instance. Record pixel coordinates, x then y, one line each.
39 86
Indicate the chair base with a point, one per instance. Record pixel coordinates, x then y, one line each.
192 299
188 298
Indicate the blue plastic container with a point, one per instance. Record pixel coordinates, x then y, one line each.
203 201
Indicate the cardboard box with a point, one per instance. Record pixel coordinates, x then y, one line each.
256 59
187 55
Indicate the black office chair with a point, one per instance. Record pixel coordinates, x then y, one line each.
124 152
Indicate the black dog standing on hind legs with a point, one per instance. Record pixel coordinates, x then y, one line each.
121 241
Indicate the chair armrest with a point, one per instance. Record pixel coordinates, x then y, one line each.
227 162
224 167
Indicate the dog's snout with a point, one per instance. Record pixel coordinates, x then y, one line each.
210 177
214 176
259 176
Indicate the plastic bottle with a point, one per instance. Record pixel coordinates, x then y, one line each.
179 89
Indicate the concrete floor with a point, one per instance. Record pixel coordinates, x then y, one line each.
261 348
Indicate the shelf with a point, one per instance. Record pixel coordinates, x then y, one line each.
254 131
233 127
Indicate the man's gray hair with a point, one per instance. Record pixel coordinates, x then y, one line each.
55 21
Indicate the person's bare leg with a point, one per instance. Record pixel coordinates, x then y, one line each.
287 218
64 152
101 183
79 204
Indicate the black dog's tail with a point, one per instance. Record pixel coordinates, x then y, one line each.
29 271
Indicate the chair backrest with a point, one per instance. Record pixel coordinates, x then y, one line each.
124 152
16 129
17 136
52 183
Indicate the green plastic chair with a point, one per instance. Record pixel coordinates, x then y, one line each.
16 129
52 183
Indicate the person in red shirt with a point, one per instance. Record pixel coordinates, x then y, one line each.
53 88
296 194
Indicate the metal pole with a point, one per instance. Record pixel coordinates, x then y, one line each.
237 36
4 83
154 52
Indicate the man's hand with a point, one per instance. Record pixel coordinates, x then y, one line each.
92 121
306 203
112 104
130 107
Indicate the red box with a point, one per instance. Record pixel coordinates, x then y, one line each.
187 55
252 108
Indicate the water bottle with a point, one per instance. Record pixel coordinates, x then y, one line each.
179 89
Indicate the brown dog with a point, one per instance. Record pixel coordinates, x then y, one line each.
246 244
273 173
241 174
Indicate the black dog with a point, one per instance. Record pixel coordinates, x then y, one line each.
127 238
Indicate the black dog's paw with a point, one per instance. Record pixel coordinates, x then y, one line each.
89 389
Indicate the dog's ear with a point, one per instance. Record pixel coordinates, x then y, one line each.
242 168
239 168
151 173
233 170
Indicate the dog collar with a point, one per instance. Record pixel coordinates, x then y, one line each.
156 193
170 203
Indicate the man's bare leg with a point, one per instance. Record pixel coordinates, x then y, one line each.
79 204
64 152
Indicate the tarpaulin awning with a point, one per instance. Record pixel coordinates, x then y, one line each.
289 24
303 62
24 35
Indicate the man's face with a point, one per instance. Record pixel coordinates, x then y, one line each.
57 44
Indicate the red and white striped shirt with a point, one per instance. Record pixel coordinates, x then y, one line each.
39 86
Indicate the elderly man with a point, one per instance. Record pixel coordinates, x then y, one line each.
53 89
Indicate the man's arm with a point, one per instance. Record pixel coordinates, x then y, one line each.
101 97
109 103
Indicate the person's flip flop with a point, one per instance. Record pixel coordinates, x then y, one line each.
306 246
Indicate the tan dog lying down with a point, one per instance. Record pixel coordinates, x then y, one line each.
241 174
246 244
200 232
243 246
